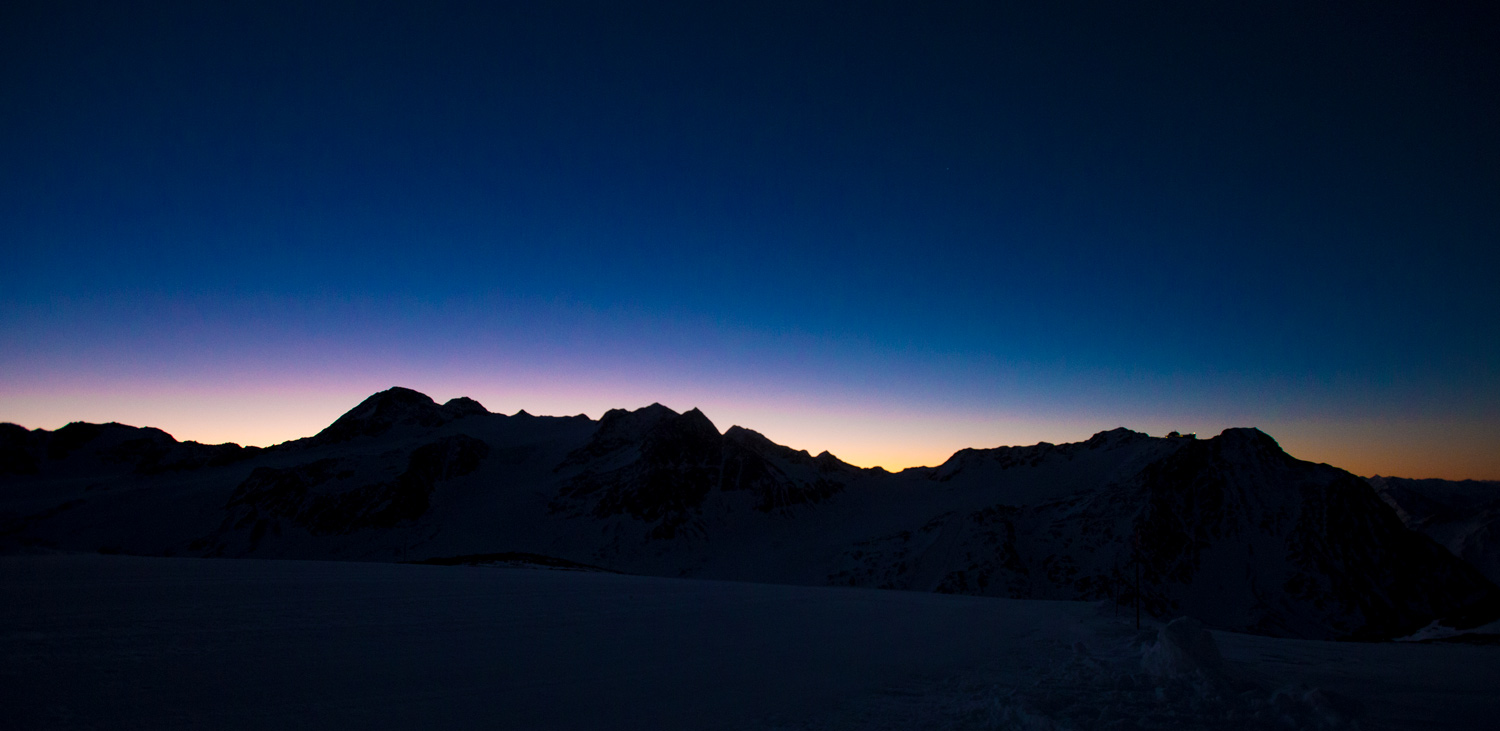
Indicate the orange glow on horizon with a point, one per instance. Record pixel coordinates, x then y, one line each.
859 434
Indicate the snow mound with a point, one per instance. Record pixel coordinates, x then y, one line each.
1184 649
1161 679
1486 634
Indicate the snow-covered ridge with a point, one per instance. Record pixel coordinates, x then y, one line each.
1463 516
1229 529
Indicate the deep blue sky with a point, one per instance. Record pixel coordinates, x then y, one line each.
1019 223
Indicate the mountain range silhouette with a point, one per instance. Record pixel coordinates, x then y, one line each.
1228 529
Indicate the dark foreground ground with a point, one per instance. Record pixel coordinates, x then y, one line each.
120 642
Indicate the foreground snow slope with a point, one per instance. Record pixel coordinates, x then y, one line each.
120 642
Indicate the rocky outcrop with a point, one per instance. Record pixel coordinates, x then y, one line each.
653 465
780 478
659 467
325 498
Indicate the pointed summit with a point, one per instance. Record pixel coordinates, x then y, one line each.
698 421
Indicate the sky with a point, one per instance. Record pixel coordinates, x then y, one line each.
885 230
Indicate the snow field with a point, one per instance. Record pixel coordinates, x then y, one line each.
119 642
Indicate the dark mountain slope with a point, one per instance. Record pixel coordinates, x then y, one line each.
83 451
659 467
395 407
1462 516
1231 530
